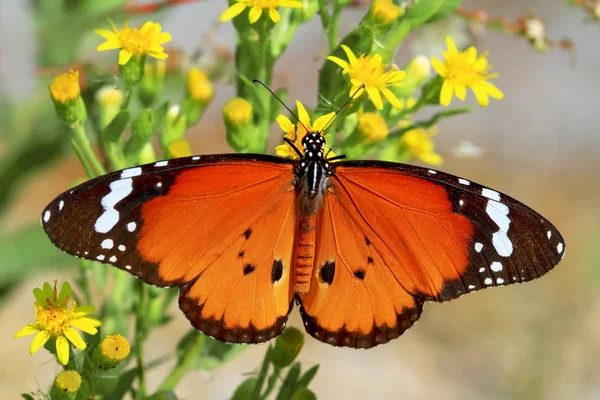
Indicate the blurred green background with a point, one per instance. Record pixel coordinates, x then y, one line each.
536 341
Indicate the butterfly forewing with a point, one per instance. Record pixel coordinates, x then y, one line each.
222 227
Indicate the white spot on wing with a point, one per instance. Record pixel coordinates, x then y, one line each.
112 259
47 216
128 267
61 205
159 184
482 269
559 247
107 244
461 202
471 286
464 181
499 281
131 226
131 172
488 281
118 191
195 158
549 234
498 212
478 247
100 257
122 248
490 194
496 266
161 163
432 172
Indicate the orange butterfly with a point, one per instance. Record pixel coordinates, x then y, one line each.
359 245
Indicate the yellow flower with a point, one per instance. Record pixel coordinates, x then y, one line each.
67 382
179 148
65 87
370 71
385 11
55 318
297 132
257 7
145 40
420 146
199 86
112 350
462 70
371 127
237 111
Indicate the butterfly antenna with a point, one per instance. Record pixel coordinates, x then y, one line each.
361 87
282 103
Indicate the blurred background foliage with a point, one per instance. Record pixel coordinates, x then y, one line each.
540 145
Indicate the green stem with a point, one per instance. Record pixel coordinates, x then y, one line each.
271 383
332 30
262 375
187 362
324 13
140 337
84 162
83 144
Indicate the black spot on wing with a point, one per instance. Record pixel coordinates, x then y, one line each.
276 271
360 274
328 272
247 233
249 268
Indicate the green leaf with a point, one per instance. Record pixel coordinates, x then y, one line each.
287 347
27 396
217 353
447 9
114 131
168 395
304 394
244 391
308 376
115 385
422 11
290 383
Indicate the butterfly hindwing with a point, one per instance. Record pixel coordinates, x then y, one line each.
221 227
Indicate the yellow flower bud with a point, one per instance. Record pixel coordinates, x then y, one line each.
65 87
385 11
199 86
419 68
237 111
66 384
65 93
179 148
112 350
174 126
418 143
109 100
371 127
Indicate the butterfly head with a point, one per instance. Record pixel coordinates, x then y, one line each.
313 145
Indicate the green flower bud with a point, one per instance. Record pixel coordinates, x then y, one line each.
287 347
199 93
109 100
65 93
417 71
133 70
66 384
142 129
237 114
304 394
174 126
113 350
152 83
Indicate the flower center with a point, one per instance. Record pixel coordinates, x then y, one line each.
370 73
462 70
54 319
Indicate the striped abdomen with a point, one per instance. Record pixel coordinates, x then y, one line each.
305 254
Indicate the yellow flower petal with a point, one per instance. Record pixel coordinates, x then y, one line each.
75 338
339 61
62 350
163 37
391 97
38 341
351 57
492 90
83 310
254 14
106 34
284 123
26 330
87 325
290 3
461 91
439 67
233 11
481 96
322 121
451 46
274 14
303 115
446 93
124 57
432 158
375 97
